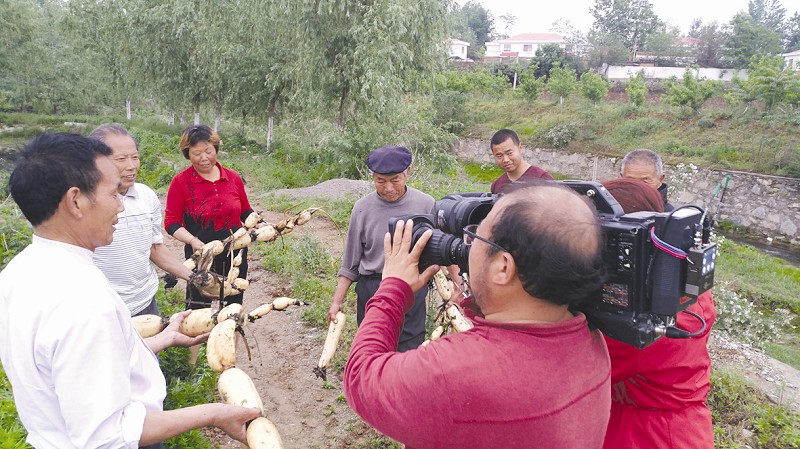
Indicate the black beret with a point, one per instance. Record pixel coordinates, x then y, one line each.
389 160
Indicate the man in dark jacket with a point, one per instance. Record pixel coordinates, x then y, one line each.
645 165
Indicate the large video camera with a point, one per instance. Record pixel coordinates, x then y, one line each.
657 263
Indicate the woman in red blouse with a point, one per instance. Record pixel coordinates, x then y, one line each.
658 394
206 202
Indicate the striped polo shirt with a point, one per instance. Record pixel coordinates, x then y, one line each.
126 261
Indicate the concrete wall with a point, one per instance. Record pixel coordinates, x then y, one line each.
616 72
766 204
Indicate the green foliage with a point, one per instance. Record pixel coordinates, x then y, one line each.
547 56
689 92
473 23
637 89
483 172
309 268
771 282
531 87
479 79
562 82
738 317
593 87
15 231
639 127
559 136
746 38
633 21
706 123
736 405
449 107
770 82
12 434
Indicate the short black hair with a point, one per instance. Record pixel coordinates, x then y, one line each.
503 135
558 253
50 165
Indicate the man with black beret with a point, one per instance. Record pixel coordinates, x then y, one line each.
362 262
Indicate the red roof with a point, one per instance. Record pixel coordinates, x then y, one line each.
509 54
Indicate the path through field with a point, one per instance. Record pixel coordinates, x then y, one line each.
284 350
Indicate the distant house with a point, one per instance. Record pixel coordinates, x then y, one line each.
791 60
521 46
457 49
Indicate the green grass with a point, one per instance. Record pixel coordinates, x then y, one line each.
737 140
735 405
765 279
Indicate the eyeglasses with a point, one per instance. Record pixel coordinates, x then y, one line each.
470 235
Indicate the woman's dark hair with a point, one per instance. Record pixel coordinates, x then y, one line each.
50 165
198 133
558 253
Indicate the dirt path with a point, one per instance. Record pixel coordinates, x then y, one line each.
284 351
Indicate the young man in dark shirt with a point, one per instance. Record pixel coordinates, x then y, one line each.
507 153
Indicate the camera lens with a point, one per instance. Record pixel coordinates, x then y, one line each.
456 211
442 249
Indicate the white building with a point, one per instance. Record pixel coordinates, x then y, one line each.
522 46
457 49
791 60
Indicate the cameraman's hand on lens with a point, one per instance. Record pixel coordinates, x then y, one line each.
401 260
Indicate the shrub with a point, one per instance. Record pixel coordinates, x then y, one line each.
531 87
15 232
706 123
449 107
559 136
639 127
637 89
739 318
689 91
593 87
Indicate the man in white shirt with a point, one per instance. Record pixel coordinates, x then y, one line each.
137 238
81 375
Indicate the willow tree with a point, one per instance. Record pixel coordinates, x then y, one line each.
177 49
364 53
264 60
104 28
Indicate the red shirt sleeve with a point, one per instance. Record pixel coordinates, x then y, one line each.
397 393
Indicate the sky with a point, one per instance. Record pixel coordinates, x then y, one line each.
538 16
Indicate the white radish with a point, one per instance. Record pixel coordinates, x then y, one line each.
335 329
221 346
148 325
236 388
262 434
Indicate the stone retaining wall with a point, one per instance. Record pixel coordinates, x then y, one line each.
763 203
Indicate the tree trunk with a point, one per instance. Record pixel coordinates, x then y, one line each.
217 114
171 120
342 105
197 112
270 124
128 107
183 118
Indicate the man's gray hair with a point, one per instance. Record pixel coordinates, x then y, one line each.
102 132
643 156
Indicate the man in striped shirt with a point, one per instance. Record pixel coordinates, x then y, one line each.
137 238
